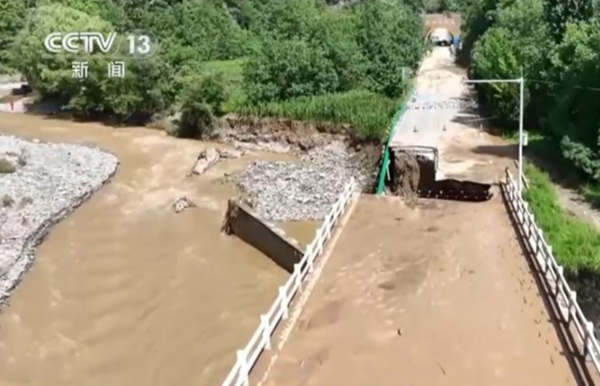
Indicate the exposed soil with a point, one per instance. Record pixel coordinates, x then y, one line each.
296 135
406 174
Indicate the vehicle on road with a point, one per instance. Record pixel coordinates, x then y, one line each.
441 37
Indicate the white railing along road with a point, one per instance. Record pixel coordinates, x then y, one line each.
261 339
552 273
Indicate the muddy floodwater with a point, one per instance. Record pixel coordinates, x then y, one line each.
126 292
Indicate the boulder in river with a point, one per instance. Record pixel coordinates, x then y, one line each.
211 156
183 203
206 159
231 153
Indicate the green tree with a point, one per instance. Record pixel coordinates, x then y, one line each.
282 69
391 38
109 10
575 115
561 12
478 16
305 56
210 29
201 103
518 42
146 88
12 17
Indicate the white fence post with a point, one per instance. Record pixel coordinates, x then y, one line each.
309 251
284 301
266 329
589 334
244 367
559 274
572 305
549 256
320 241
298 276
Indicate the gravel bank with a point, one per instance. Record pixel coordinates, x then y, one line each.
304 190
49 182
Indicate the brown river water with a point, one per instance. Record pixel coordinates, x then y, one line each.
124 291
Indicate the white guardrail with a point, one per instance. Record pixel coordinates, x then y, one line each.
552 273
261 339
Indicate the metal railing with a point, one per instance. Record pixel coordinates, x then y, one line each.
261 339
552 273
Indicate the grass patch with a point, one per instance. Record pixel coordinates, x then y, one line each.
6 167
548 149
576 242
368 112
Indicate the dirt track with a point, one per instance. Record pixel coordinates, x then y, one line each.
437 294
466 150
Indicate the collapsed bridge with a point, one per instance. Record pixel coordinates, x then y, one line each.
413 172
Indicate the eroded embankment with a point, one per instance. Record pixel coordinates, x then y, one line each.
329 155
40 183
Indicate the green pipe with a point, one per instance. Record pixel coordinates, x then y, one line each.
391 131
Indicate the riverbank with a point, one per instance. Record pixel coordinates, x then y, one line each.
41 185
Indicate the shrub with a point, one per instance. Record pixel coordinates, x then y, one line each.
6 166
197 120
201 104
7 201
25 201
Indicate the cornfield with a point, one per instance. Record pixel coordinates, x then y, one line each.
368 113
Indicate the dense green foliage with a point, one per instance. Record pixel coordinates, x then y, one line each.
268 51
146 90
373 114
201 102
389 37
12 16
576 243
556 45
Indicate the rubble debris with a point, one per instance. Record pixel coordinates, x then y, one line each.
183 203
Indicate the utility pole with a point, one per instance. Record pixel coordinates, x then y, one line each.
522 102
521 82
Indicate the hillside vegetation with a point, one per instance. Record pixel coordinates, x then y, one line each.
299 58
556 45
